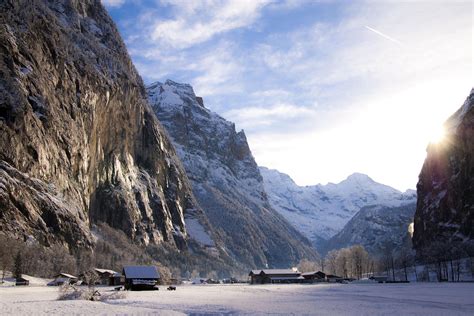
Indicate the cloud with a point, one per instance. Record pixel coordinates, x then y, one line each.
217 70
113 3
198 21
252 118
323 97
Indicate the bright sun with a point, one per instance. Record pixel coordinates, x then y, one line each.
437 135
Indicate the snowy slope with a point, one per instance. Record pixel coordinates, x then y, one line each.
226 181
321 211
376 227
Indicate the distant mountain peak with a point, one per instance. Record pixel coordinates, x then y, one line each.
359 177
172 93
321 211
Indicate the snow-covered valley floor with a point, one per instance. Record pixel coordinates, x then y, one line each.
320 299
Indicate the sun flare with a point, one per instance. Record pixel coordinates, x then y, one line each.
437 135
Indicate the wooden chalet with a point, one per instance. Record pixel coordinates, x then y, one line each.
275 276
22 281
108 277
63 278
314 276
141 277
334 278
379 278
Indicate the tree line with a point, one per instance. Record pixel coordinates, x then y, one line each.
448 261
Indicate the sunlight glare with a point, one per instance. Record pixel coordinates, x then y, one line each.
437 135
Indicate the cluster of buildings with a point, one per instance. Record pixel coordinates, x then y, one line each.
290 276
148 277
132 278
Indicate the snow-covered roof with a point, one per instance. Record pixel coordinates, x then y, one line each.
276 271
101 271
141 272
313 273
68 276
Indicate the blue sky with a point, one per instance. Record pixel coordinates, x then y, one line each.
322 88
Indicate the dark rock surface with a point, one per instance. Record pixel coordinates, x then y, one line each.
445 206
79 143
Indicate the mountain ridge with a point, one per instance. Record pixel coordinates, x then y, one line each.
321 211
226 179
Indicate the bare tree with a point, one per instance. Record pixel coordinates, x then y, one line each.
404 260
343 262
359 257
331 261
306 265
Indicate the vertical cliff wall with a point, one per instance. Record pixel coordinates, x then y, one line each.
79 143
445 206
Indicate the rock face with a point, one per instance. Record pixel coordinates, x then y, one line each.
321 211
79 143
445 207
226 180
376 228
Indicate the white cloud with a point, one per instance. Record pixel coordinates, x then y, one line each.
113 3
249 117
377 101
198 21
217 70
395 95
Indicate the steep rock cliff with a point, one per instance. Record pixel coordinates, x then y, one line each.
79 143
445 206
226 180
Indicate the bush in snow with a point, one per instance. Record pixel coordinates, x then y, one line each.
70 292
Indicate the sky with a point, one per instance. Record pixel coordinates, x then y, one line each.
322 89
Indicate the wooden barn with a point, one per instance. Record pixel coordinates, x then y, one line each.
314 276
108 277
141 277
63 278
275 276
22 281
334 278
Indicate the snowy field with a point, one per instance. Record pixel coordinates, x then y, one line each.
321 299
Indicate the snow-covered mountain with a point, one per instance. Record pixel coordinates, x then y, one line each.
376 227
226 181
321 211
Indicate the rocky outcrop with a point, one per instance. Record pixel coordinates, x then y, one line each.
445 207
376 228
226 180
322 211
79 143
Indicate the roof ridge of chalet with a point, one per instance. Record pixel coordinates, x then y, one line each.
275 271
70 276
142 272
105 270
